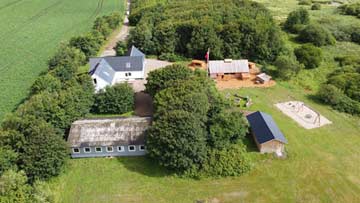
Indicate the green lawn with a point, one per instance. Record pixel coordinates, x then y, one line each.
322 166
30 32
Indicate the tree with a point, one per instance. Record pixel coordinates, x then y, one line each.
177 141
287 67
309 55
101 25
67 56
121 48
317 35
296 19
14 187
226 128
44 152
47 83
88 44
204 37
117 99
159 79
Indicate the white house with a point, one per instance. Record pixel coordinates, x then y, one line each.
107 71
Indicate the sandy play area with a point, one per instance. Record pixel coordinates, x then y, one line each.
302 114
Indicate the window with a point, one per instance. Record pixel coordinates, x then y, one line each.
76 150
98 149
126 74
128 65
109 149
131 148
95 82
142 148
120 148
87 150
129 74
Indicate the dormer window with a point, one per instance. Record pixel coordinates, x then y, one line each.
128 65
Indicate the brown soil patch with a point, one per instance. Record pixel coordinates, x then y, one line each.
238 83
143 105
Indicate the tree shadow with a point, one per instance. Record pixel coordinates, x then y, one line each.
144 165
250 144
315 98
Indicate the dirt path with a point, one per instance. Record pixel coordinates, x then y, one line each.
119 35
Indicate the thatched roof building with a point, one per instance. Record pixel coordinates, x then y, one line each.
108 132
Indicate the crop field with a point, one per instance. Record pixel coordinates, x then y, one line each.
322 166
31 31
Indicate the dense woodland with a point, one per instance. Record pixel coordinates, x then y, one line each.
230 28
32 139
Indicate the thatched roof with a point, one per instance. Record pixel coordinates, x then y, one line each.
108 132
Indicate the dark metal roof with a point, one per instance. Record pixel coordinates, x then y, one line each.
264 127
126 63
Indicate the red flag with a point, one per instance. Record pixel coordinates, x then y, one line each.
207 56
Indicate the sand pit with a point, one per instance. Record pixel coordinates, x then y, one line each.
302 114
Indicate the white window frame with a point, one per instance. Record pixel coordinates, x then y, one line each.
122 148
107 149
134 150
87 148
73 150
141 149
96 151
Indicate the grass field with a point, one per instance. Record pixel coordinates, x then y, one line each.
30 32
322 166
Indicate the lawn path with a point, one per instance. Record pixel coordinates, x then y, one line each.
119 35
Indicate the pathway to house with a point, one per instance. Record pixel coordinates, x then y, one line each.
121 34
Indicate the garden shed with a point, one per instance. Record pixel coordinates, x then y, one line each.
267 135
108 137
229 69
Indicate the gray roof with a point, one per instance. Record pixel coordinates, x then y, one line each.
229 66
264 77
125 63
133 62
135 52
264 127
109 132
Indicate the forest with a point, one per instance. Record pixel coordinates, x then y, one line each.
230 29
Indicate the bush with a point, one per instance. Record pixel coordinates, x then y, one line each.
317 35
226 128
351 9
159 79
117 99
305 2
331 95
230 161
287 67
355 35
171 57
14 187
316 6
121 48
8 159
296 20
309 55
